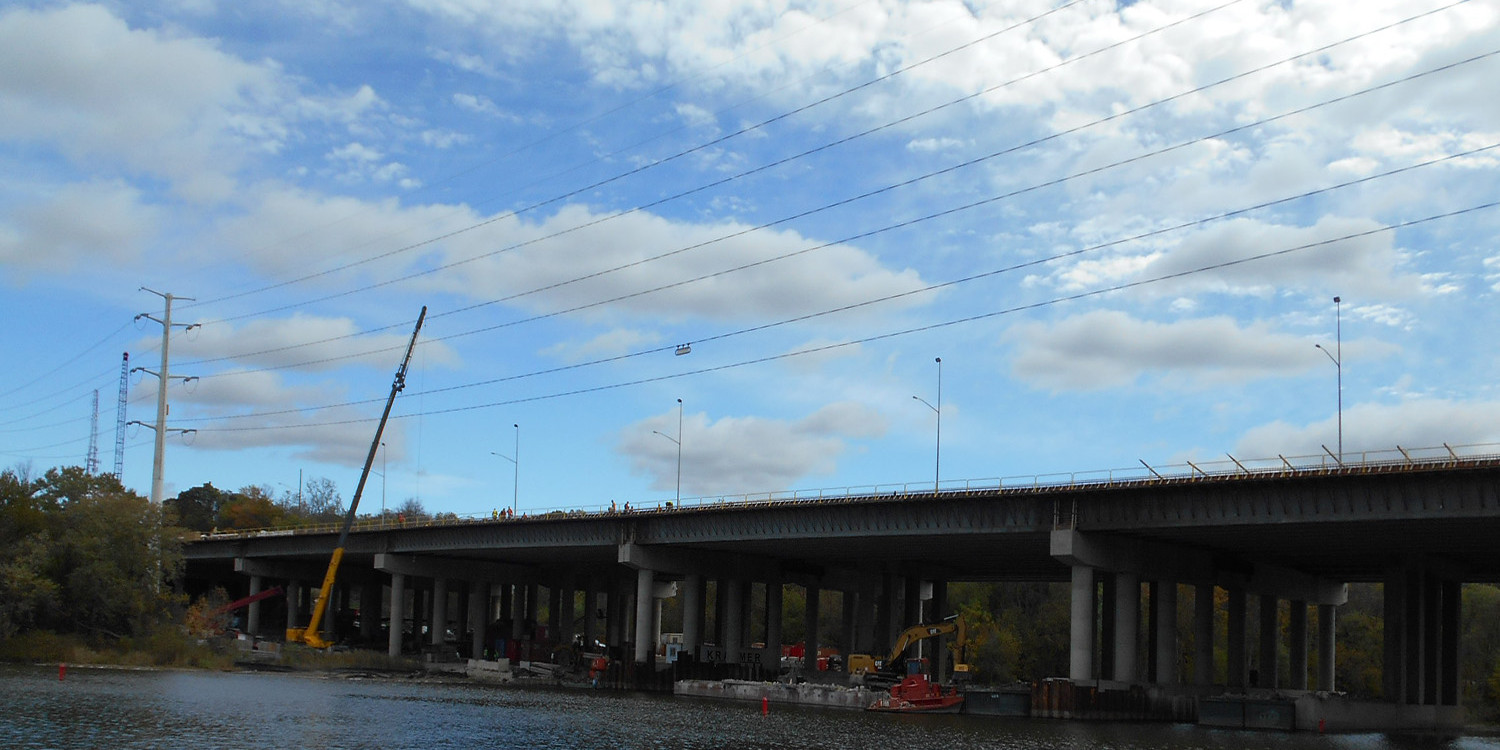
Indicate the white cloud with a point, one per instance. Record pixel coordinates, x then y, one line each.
814 281
78 79
101 224
1109 349
1419 423
611 343
479 105
302 343
739 454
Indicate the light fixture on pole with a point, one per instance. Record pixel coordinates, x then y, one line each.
515 492
678 441
1338 365
937 468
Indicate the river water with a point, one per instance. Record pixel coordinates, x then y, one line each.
110 708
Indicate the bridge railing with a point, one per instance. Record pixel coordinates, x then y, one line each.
1187 471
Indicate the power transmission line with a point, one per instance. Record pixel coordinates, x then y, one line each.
868 194
900 295
903 332
889 227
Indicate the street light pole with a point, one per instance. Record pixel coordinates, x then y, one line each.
678 441
515 491
937 469
1338 365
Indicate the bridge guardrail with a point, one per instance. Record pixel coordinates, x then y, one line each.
1226 468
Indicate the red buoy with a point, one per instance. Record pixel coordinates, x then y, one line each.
765 705
62 671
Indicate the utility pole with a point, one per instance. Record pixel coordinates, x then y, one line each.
161 390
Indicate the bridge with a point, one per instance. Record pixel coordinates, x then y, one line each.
1290 533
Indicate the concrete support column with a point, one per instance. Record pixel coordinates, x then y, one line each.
1164 627
1127 626
1269 662
1108 590
396 616
720 587
1394 667
293 604
774 592
1297 645
1203 634
590 616
747 605
867 617
614 614
1236 648
1451 623
886 612
810 655
942 665
1081 633
734 619
1432 610
568 621
518 612
644 582
911 602
252 617
479 594
439 611
911 607
1326 652
1415 636
692 613
533 602
369 610
330 611
554 613
848 605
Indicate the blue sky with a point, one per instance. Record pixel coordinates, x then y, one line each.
1120 226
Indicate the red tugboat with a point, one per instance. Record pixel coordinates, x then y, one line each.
917 693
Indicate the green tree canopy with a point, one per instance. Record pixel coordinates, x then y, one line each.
198 508
83 554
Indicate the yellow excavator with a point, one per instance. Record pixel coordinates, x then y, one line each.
310 635
865 664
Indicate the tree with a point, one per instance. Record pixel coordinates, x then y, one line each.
251 508
322 498
25 589
411 509
198 508
110 555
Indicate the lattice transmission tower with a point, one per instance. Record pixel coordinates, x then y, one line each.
91 464
120 417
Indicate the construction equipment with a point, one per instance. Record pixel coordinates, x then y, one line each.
865 664
914 690
309 634
247 601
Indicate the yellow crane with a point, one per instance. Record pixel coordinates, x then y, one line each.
310 635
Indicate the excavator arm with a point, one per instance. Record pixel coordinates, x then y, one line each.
954 626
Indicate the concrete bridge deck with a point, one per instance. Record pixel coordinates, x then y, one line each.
1297 535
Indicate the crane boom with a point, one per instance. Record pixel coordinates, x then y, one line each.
310 635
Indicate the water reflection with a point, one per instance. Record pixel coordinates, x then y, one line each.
100 708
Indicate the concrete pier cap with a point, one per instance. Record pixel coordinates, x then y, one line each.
1165 562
